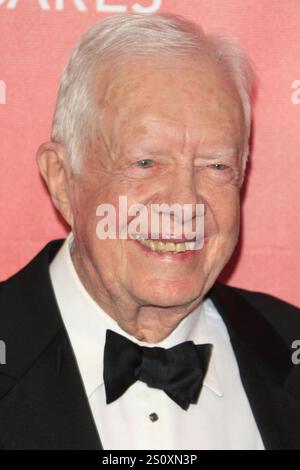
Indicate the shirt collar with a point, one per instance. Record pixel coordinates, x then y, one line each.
86 324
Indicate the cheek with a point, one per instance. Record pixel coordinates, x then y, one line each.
224 214
85 215
114 262
230 216
229 227
88 198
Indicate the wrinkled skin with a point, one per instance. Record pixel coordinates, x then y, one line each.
185 120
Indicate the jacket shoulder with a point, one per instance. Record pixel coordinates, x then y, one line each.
29 315
283 316
21 291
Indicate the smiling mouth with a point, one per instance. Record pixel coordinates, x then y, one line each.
167 247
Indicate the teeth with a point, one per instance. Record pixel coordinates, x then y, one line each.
161 246
170 246
190 245
180 247
158 245
152 245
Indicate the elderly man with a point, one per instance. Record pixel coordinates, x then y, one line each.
120 342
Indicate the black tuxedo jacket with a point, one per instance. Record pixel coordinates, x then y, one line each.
43 404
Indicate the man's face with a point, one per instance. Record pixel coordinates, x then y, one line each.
169 133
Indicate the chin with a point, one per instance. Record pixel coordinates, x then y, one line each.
169 293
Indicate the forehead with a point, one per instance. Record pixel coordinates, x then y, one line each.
157 97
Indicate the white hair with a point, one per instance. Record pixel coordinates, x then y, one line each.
131 35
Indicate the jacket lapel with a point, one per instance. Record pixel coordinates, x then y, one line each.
266 369
43 404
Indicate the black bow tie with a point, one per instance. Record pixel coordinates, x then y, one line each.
178 371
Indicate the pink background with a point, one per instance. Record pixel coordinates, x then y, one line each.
34 45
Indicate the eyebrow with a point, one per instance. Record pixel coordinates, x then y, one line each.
150 152
221 153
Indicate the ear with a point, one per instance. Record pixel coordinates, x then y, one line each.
54 168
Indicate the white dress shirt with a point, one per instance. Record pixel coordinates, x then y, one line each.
222 418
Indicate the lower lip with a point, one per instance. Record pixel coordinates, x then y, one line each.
169 255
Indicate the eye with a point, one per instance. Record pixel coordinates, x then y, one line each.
218 166
147 163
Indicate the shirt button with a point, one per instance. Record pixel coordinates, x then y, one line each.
153 417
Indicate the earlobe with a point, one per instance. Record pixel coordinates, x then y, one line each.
53 166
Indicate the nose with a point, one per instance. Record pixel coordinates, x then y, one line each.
182 188
182 191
